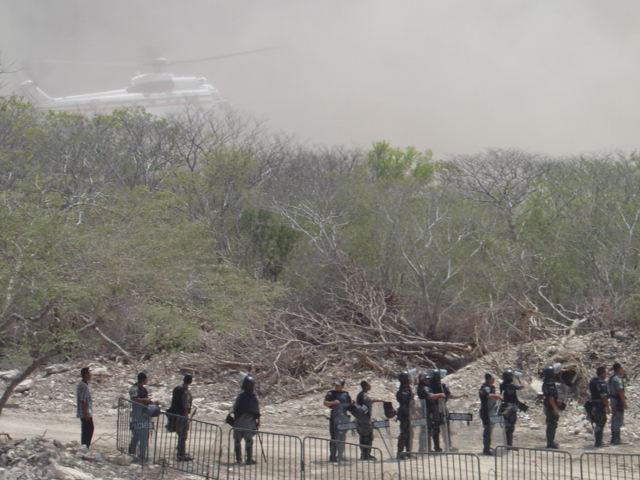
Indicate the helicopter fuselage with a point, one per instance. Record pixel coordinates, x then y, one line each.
159 93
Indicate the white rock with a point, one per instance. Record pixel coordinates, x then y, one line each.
100 372
122 460
9 374
25 385
56 368
67 473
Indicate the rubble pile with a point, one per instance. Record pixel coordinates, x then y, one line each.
39 458
579 356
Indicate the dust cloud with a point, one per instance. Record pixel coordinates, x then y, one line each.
455 75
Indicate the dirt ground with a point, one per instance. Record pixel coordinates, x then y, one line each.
47 407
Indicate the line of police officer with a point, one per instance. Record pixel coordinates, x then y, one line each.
606 396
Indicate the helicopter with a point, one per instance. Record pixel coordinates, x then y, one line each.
159 92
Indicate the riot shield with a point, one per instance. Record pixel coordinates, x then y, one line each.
342 425
497 420
418 423
443 420
382 427
424 437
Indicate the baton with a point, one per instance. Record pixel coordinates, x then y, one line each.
264 457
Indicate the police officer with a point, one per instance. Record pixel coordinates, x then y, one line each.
246 411
552 405
488 398
618 402
405 400
337 400
509 406
181 403
438 387
363 423
599 401
430 403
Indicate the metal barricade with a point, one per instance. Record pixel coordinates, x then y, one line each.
609 466
187 445
275 455
445 466
347 465
135 429
123 422
516 463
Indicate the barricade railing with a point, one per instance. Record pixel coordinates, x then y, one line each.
188 445
517 463
444 466
331 459
123 425
135 430
609 466
273 455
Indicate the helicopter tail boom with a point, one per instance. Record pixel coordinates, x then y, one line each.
35 93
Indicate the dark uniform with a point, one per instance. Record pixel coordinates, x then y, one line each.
365 430
509 407
616 385
181 400
405 400
424 391
436 417
599 391
246 410
338 415
549 391
487 407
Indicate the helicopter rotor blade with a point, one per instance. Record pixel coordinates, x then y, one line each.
89 63
220 57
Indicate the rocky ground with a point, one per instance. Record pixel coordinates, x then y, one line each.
42 433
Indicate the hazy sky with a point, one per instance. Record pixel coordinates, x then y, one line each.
555 76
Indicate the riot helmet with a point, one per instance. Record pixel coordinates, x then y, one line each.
551 371
404 378
507 376
248 384
422 377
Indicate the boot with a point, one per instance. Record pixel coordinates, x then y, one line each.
436 444
615 438
509 435
238 450
249 452
551 435
599 436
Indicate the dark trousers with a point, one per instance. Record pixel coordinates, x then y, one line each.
552 425
182 429
86 431
510 419
247 436
487 427
599 418
404 439
366 440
